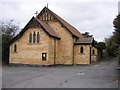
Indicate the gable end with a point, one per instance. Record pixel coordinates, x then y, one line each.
33 23
66 25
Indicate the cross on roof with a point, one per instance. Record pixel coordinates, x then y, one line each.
47 5
36 13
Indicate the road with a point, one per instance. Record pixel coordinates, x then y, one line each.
100 75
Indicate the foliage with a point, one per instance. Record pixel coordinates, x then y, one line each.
111 47
100 46
116 34
113 42
87 34
8 32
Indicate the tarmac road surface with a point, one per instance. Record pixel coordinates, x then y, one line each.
100 75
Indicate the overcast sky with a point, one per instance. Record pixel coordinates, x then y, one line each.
94 16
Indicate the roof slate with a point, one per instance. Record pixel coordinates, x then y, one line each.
84 40
71 29
38 23
48 29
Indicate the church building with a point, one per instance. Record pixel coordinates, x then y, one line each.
47 39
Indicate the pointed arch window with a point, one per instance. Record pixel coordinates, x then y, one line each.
15 48
93 51
81 49
38 37
30 38
34 37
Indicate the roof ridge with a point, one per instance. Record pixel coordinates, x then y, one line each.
71 28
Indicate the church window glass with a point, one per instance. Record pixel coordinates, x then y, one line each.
15 48
93 51
34 37
38 37
81 49
30 38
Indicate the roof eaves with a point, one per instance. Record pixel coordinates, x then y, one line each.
82 43
21 32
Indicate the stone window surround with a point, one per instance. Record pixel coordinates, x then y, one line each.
44 58
93 52
81 50
36 38
15 48
30 38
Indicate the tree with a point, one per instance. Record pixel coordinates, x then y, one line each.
113 42
111 46
100 46
116 35
8 32
87 34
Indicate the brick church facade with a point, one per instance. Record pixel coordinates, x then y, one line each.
47 39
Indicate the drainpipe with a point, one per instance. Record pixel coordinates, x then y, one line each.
54 52
90 55
73 52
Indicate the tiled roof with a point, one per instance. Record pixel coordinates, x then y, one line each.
48 29
84 40
71 29
38 23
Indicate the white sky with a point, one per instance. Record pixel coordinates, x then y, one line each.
94 16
